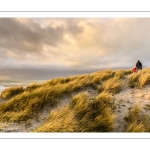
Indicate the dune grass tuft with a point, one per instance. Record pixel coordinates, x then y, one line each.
28 104
32 86
59 121
137 121
81 115
133 80
98 77
113 85
120 74
139 79
144 79
127 72
136 127
133 114
12 91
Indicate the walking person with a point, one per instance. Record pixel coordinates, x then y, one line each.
139 65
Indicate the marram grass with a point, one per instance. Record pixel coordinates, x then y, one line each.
113 85
12 91
137 121
139 79
82 115
136 127
36 96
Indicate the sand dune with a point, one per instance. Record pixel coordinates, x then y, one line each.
123 102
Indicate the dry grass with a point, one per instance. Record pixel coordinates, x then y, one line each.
32 86
59 121
25 104
28 104
113 85
127 72
136 127
137 121
12 91
98 77
144 79
120 74
139 79
133 114
82 115
133 80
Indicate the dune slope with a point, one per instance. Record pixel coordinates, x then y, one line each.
102 101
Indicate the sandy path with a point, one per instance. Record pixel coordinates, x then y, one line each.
126 100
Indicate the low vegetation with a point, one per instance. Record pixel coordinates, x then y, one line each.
32 87
84 113
113 85
139 79
137 121
12 91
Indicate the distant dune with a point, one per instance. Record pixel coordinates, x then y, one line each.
102 101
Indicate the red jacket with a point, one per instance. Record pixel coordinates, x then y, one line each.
133 69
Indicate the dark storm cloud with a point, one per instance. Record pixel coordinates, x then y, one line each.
73 28
20 38
27 37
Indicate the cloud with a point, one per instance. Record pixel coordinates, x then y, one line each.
27 37
74 43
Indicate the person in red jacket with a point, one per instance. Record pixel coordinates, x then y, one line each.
134 70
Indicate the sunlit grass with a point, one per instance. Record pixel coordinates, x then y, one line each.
120 74
139 79
98 77
133 80
113 85
144 79
36 96
12 91
81 115
137 121
59 121
136 127
127 72
32 86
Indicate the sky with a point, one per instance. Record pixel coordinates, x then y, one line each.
45 48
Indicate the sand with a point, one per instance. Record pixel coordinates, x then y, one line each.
126 100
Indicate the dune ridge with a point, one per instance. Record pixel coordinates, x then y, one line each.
102 101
